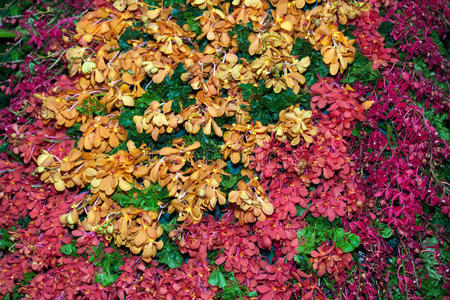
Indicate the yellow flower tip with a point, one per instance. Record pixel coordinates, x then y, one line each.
278 20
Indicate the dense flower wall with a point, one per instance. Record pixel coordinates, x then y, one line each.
214 149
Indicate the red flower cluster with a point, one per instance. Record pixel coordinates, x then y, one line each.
371 42
329 258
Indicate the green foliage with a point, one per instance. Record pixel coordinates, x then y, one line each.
432 281
69 249
146 199
385 30
209 148
4 146
126 118
170 254
442 48
241 33
229 183
357 130
165 3
92 107
172 88
360 69
169 225
15 295
302 48
6 34
217 278
311 236
212 255
187 15
265 104
229 285
421 66
386 233
318 231
74 132
5 240
108 264
132 33
440 122
24 221
345 240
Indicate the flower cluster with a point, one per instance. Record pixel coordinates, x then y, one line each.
167 150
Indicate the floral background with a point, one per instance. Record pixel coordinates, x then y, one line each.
214 149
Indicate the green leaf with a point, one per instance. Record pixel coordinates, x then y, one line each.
97 252
439 121
105 279
108 265
387 233
169 226
69 249
228 182
265 104
74 132
241 33
170 254
6 34
92 107
217 279
360 69
310 237
303 48
301 210
126 118
252 294
357 130
4 147
14 10
345 240
187 15
146 199
132 33
5 240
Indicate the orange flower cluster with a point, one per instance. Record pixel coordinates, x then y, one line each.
295 123
252 202
241 139
101 68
